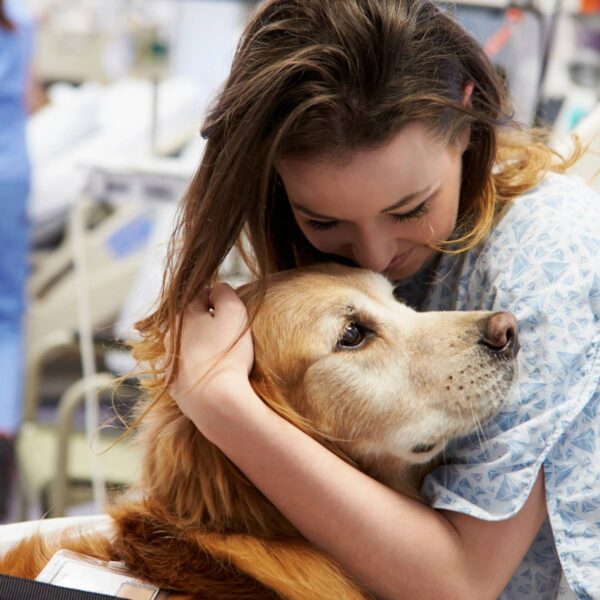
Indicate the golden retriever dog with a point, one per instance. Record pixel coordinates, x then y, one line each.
382 386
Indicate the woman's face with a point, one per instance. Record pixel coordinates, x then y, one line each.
380 208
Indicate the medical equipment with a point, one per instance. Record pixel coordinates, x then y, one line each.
77 571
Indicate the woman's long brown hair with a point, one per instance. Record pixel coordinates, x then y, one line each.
5 22
318 77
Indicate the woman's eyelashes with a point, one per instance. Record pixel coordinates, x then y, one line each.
321 225
415 213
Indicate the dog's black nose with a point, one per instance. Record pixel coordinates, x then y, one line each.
500 334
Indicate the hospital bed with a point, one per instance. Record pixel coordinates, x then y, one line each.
70 141
128 254
75 131
84 125
78 129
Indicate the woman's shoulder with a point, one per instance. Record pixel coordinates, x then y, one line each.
547 241
559 205
545 244
557 223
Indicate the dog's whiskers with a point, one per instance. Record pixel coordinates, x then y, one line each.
478 426
445 440
462 419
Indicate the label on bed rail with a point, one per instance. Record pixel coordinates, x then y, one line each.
76 571
130 237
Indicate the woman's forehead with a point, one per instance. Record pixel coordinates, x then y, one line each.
412 162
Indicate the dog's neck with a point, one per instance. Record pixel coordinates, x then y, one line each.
189 478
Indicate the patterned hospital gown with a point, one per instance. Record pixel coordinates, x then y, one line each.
541 262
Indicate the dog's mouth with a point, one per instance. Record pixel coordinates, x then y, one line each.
475 408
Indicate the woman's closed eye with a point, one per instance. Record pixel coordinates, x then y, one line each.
415 213
321 225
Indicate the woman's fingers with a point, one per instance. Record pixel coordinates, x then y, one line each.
216 352
212 325
224 300
231 319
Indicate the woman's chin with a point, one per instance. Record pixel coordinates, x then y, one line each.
418 261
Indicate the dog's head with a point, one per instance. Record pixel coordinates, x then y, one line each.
381 385
369 373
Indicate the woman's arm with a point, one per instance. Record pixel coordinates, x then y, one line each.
397 547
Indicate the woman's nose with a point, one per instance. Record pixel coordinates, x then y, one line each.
373 252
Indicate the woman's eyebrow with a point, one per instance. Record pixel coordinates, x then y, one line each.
409 197
404 200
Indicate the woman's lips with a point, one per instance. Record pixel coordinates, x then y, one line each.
398 261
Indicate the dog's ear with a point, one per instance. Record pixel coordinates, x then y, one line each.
268 389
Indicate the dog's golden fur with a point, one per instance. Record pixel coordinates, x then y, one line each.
194 523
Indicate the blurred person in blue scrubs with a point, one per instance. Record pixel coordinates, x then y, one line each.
16 45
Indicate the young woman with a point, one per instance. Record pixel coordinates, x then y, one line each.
375 133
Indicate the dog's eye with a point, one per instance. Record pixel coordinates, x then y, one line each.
423 448
352 337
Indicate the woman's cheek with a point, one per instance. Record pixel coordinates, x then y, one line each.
440 226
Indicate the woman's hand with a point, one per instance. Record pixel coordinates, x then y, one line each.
214 361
